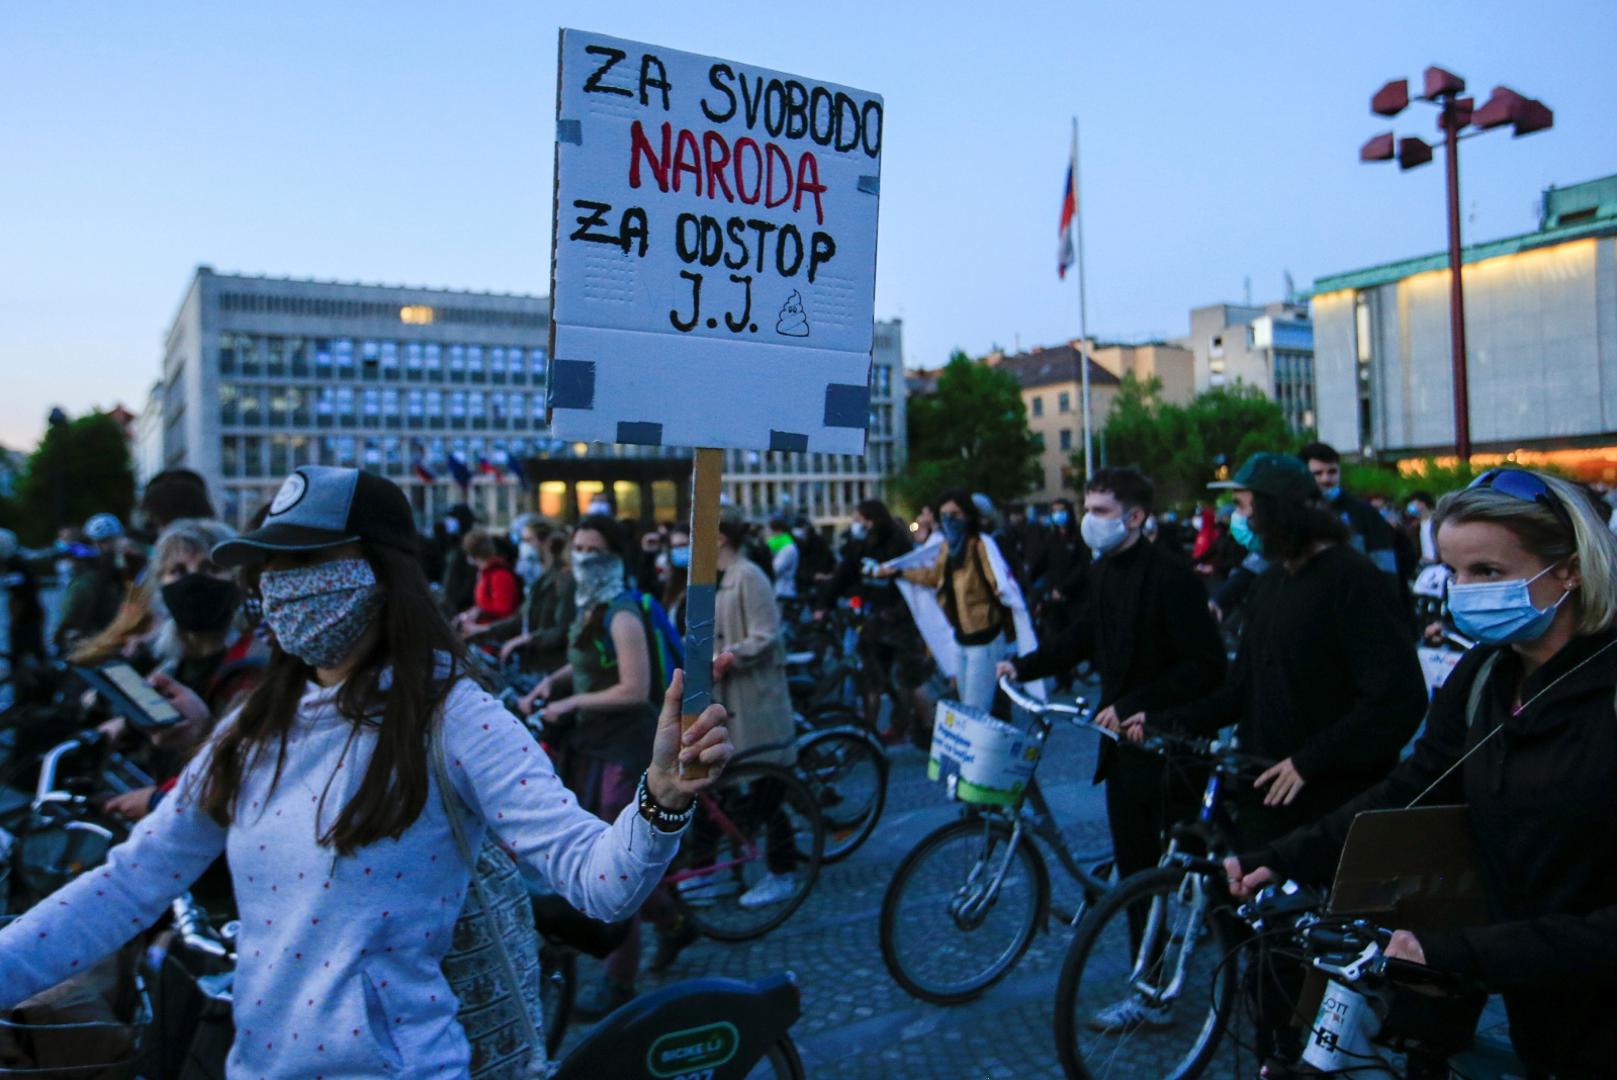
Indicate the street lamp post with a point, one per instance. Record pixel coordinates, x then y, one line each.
1455 113
58 424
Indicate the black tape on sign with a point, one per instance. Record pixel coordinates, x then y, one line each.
870 185
847 405
570 131
642 432
572 384
788 440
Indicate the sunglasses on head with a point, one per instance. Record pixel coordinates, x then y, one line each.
1521 484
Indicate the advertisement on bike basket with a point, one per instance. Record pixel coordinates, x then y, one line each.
714 245
990 762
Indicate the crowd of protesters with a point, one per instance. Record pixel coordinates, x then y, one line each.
1281 606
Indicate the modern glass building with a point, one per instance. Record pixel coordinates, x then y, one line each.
261 375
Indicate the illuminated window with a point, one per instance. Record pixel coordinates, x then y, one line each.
416 314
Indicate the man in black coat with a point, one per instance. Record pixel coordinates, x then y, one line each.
1144 623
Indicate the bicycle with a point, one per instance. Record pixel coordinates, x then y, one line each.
846 768
755 814
1121 1002
964 903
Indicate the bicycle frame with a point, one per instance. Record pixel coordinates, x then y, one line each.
1031 813
728 828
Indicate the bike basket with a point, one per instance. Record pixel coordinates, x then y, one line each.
981 760
92 1027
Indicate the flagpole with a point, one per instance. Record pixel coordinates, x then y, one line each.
1083 312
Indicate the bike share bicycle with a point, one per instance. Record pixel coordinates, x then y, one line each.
963 905
1155 942
1171 939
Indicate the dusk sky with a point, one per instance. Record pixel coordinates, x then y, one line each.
411 143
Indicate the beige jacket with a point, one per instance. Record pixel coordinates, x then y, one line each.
976 608
747 624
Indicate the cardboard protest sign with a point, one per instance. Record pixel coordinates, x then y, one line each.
714 253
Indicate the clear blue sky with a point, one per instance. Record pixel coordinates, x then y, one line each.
411 143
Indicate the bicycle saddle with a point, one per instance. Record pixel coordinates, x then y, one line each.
564 924
715 1028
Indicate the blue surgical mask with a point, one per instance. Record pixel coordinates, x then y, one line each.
1332 493
1501 612
1241 529
858 530
1103 535
1059 518
954 530
1413 509
680 557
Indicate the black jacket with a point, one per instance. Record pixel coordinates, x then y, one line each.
1542 802
1057 561
1145 624
1326 675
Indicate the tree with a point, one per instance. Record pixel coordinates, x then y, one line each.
971 433
1182 446
86 464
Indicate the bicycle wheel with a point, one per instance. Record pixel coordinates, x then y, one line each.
780 1063
847 772
961 910
751 855
558 985
1157 1008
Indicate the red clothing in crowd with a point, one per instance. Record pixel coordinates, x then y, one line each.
498 593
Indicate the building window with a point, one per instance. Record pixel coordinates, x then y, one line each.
1064 402
1216 346
457 363
342 351
1365 354
537 361
390 360
227 354
433 355
1038 405
1066 438
414 403
322 359
229 409
474 362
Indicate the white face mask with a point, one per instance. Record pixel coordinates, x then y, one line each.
1103 535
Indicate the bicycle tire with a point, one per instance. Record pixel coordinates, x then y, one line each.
972 832
722 918
831 756
780 1062
1080 1051
558 987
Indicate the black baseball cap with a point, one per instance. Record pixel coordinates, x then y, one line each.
1280 475
321 506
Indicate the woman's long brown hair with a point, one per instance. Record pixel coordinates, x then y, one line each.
412 644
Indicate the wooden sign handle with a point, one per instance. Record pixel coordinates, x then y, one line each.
701 593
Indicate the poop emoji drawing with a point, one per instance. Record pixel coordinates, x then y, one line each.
793 321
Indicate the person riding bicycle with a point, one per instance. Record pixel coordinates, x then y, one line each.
968 582
199 646
1146 626
752 688
342 852
605 725
98 585
1326 681
1523 735
894 659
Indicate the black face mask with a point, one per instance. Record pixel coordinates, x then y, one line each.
201 603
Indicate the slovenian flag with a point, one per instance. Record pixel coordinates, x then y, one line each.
1065 254
513 464
457 468
486 467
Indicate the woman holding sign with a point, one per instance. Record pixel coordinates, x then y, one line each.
339 790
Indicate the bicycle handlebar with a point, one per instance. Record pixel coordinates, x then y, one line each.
1077 714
